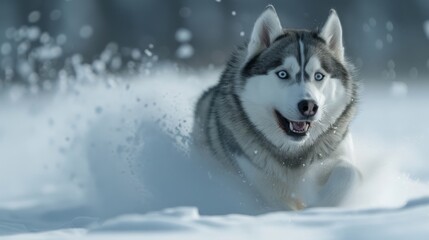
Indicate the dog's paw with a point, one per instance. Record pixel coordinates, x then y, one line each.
296 204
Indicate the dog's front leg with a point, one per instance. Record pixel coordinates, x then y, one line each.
341 180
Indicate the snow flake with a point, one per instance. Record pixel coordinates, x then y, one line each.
55 14
85 31
6 48
389 26
185 51
183 35
148 52
34 16
426 28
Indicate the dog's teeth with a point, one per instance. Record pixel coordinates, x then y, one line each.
303 130
291 126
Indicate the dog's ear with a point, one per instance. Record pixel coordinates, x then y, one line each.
265 31
332 33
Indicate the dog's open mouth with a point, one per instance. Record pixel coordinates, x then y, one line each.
292 128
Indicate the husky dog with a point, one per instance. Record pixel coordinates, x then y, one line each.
280 114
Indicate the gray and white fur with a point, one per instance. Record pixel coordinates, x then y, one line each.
270 120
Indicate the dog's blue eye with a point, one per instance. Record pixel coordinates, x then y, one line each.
282 74
319 76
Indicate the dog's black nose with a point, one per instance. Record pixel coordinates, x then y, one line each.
308 108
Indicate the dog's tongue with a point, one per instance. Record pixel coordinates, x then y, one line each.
299 126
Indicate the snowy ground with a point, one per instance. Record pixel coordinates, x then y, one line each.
112 156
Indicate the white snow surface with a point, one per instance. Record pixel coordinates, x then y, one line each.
111 158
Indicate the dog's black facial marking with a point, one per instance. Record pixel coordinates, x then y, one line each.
271 57
287 44
284 35
261 63
334 67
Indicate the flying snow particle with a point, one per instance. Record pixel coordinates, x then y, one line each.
55 15
61 39
218 0
33 33
6 48
34 16
414 73
389 26
116 63
85 31
233 13
183 35
45 38
33 78
10 32
136 54
48 52
185 12
389 38
426 28
99 66
366 27
379 44
372 22
148 52
242 34
106 55
24 68
185 51
399 89
22 48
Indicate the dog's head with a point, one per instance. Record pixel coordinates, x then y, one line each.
295 83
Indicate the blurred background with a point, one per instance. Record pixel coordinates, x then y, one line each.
41 40
96 96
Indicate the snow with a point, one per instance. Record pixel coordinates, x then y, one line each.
61 39
148 52
185 51
185 12
48 52
426 28
108 154
6 48
183 35
379 44
34 16
389 26
55 15
86 31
